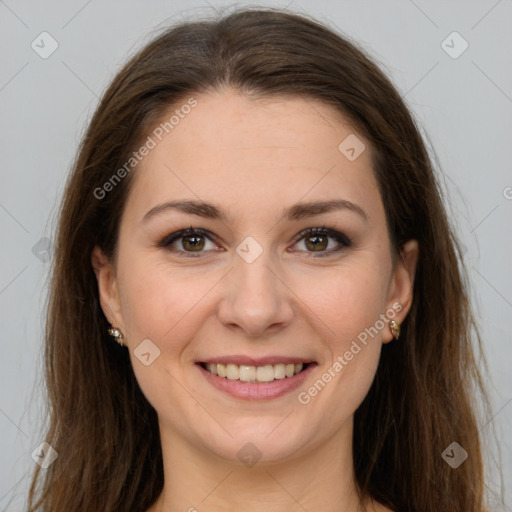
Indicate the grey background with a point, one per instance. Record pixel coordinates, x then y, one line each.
464 105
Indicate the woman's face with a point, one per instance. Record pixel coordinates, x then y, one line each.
248 289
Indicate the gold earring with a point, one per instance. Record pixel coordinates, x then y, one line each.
117 334
395 328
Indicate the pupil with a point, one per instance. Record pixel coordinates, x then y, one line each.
318 242
196 242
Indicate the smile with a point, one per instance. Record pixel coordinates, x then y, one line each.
248 373
256 381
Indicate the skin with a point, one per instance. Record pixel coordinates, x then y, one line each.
254 158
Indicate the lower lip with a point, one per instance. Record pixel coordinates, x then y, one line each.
255 390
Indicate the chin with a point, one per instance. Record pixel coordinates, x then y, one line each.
261 444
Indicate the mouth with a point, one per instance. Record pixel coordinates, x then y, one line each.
252 373
256 381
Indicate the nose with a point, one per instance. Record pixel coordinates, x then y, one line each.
255 298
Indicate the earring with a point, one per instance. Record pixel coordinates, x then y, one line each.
395 328
117 334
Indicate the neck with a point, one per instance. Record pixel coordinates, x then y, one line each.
320 478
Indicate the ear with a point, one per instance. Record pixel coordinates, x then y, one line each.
107 288
402 284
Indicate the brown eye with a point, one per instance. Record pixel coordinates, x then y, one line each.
192 242
317 242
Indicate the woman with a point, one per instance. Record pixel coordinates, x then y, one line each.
254 218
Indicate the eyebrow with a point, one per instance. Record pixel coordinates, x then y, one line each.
296 212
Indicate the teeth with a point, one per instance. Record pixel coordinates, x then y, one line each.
265 373
222 370
232 371
279 371
244 373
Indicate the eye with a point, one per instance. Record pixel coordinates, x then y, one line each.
318 240
189 241
192 242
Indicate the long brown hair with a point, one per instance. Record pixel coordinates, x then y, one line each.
422 398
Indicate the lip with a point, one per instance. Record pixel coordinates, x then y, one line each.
257 391
256 361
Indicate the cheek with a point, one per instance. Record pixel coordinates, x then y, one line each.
349 305
347 299
159 304
154 299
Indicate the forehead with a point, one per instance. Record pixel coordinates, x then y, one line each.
252 156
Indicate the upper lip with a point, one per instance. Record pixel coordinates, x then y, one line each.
256 361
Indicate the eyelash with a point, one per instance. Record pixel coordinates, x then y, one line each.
341 238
